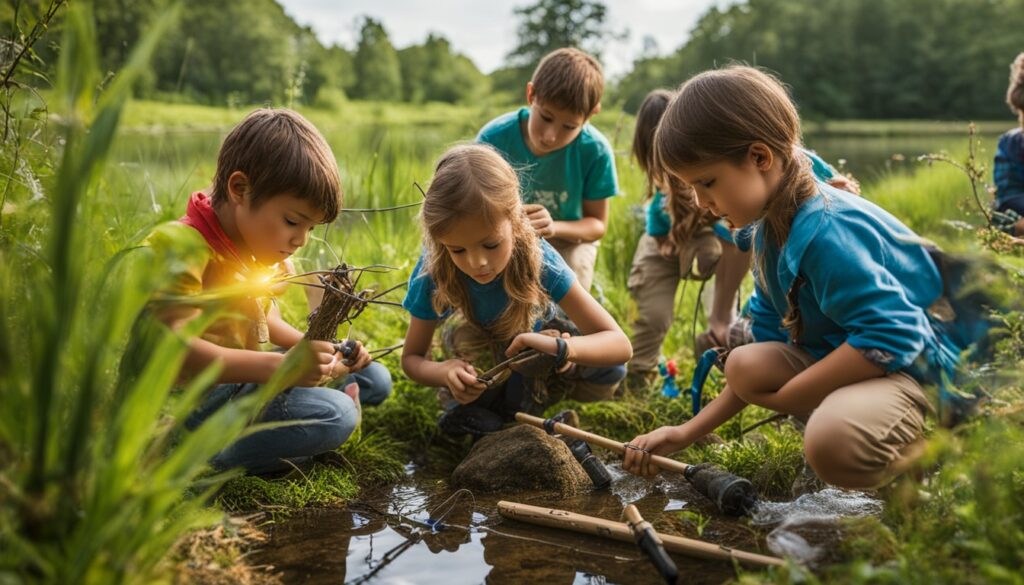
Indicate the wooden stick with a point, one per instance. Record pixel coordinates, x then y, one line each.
491 373
651 544
633 516
620 531
662 462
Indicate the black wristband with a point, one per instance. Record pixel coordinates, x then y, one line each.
562 353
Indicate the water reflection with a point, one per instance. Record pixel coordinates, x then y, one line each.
388 538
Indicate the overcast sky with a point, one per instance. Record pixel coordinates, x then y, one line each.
486 31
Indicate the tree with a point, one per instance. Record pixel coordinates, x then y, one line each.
554 24
433 72
378 74
240 52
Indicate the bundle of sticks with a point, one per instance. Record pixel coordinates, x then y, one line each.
342 304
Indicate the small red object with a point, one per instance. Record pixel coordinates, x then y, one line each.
670 367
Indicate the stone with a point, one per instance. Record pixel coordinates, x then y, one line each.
520 458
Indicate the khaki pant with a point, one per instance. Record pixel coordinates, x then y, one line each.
865 434
653 281
581 258
464 340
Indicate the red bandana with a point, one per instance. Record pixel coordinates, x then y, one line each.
201 216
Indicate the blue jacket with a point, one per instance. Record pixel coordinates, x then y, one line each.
1008 171
867 281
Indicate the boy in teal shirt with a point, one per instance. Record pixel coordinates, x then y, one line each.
566 166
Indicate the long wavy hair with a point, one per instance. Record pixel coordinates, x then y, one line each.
474 181
718 115
686 217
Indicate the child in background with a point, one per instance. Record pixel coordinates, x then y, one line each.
566 166
483 261
1008 167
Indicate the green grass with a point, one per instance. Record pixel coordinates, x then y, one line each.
901 128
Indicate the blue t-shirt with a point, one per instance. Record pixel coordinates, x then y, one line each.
1008 171
560 180
488 300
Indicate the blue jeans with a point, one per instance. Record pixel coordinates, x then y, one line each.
329 417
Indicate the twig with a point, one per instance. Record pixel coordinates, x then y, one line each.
488 376
376 209
974 174
772 418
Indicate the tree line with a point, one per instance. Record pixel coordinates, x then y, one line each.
873 59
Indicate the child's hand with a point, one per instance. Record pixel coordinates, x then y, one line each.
462 382
513 348
540 219
320 366
845 183
543 341
662 441
358 358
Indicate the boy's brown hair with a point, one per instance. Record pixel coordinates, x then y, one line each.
569 79
280 152
1015 92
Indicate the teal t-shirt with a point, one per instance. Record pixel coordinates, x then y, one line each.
560 180
658 222
488 300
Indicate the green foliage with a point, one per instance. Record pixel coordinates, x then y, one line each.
378 74
628 417
867 59
432 72
770 460
93 464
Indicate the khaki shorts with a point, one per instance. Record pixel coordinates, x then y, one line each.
865 434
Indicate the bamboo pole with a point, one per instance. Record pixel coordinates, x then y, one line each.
620 531
660 461
651 543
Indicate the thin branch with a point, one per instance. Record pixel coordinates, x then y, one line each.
376 209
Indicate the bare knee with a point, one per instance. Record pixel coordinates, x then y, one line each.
740 366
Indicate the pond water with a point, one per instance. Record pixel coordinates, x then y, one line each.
386 539
390 535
